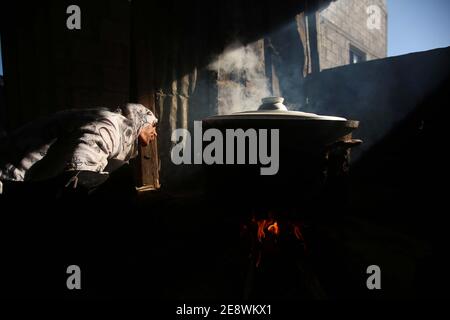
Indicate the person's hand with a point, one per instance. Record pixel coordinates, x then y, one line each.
147 134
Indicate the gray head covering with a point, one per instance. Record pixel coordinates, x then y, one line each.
139 115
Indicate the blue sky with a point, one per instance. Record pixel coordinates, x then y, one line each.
413 25
417 25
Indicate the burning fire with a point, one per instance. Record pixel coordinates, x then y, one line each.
274 228
271 228
269 225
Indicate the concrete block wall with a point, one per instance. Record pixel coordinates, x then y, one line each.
344 23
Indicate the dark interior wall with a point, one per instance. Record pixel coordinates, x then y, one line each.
152 52
286 56
402 106
380 93
2 107
49 67
399 171
179 39
398 178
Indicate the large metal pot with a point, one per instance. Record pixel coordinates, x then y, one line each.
306 141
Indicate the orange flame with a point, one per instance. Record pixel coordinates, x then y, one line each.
274 228
267 225
271 227
261 227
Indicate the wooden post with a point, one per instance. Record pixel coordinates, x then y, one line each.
142 91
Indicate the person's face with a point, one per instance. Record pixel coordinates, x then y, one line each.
147 134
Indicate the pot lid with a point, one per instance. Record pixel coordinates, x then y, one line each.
272 108
280 114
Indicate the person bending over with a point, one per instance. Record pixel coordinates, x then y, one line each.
77 147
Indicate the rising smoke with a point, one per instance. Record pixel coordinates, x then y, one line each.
241 78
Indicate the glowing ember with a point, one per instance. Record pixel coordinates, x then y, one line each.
269 226
298 233
261 226
274 228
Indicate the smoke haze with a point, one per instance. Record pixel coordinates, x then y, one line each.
241 78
